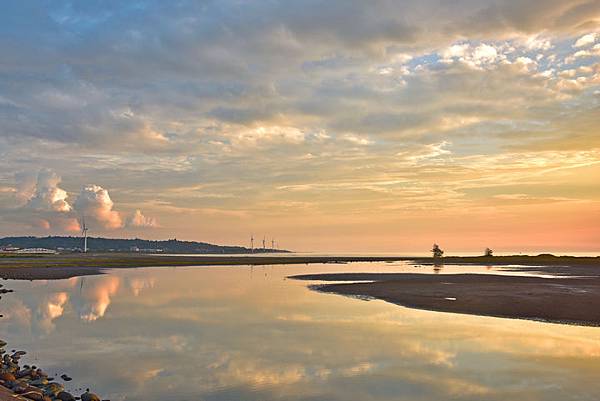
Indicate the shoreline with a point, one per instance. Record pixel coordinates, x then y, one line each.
571 300
56 267
29 382
63 266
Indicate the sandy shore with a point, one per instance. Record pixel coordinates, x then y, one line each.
562 300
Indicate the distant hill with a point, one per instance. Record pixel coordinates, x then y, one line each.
75 244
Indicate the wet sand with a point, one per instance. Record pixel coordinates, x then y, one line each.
561 300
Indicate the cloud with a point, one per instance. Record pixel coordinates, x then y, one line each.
586 40
270 94
138 220
42 203
44 194
94 202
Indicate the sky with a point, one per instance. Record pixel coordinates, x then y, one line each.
328 125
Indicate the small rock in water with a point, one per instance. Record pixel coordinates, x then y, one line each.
66 377
53 389
87 396
64 396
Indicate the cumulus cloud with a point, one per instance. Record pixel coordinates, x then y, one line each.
44 194
94 202
43 204
138 220
586 40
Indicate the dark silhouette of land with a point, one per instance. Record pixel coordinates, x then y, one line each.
98 244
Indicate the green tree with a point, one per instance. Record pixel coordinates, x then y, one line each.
437 252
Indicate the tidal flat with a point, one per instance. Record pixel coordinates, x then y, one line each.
573 300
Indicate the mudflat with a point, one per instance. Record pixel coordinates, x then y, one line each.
574 300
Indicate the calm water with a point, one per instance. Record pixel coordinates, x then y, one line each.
241 333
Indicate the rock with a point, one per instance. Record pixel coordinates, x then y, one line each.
39 382
65 378
2 344
7 377
64 396
19 387
53 389
87 396
33 393
24 373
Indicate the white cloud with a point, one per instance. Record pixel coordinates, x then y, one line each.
586 40
44 194
357 140
485 53
457 50
268 134
94 202
138 220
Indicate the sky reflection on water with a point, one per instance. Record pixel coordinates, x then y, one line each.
241 333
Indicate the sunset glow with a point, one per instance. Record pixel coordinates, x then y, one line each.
373 126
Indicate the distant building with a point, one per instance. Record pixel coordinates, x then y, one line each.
150 250
36 251
134 249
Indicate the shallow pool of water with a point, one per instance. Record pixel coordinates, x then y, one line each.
243 333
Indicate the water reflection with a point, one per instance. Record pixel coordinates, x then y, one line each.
236 333
96 297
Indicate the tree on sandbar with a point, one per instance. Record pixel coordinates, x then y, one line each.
437 252
488 252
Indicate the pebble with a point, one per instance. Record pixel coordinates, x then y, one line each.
64 396
7 377
33 383
87 396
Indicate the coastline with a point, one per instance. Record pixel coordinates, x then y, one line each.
72 265
63 266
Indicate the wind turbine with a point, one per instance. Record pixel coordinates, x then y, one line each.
84 230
